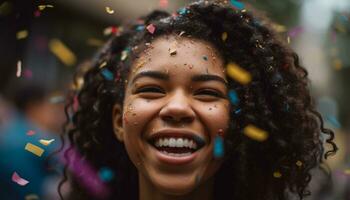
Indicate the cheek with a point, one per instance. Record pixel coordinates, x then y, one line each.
215 115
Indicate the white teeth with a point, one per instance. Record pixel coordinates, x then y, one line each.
176 154
175 142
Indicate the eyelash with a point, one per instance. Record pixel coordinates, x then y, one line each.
154 89
209 92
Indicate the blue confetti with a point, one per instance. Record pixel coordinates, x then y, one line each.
333 120
106 174
237 4
108 75
182 11
140 28
238 111
218 147
233 97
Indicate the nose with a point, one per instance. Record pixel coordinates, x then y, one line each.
177 109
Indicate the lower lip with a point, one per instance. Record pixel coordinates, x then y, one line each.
172 160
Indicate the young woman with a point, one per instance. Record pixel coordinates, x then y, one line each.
205 103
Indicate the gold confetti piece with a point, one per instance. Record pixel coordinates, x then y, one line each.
103 64
124 55
109 10
62 52
224 36
46 142
279 28
31 197
34 149
21 34
94 42
347 171
255 133
172 51
19 69
288 40
239 74
337 64
277 174
299 163
42 7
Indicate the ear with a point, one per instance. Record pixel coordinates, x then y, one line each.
117 119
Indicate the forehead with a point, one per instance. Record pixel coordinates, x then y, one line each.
181 54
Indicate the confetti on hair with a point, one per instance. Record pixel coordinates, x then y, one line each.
19 68
151 28
104 64
182 11
21 34
31 197
109 10
238 111
110 30
218 147
30 133
62 52
17 179
34 149
237 4
124 55
239 74
233 97
224 36
46 142
140 28
288 39
42 7
255 133
299 163
277 174
106 174
163 3
108 75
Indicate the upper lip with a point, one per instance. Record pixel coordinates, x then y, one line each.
178 133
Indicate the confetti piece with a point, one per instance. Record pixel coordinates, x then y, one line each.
224 36
109 10
239 74
333 120
19 68
103 65
30 133
31 197
17 179
151 28
279 28
94 42
237 4
56 99
140 28
238 111
163 3
233 97
277 174
299 163
172 51
108 75
255 133
62 52
124 55
106 174
337 64
182 11
34 149
288 40
218 147
110 30
347 171
21 34
42 7
46 142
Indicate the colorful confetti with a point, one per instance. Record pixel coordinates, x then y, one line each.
140 28
19 69
42 7
17 179
277 174
34 149
299 163
21 34
56 99
237 4
108 75
30 133
233 97
218 147
182 11
124 55
151 28
239 74
106 174
224 36
109 10
46 142
255 133
62 52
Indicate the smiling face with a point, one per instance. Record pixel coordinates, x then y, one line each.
175 105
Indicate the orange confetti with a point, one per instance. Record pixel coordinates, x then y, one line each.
46 142
239 74
255 133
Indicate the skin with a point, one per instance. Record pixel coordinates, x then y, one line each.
176 102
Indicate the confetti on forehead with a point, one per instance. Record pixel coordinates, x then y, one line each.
255 133
237 73
17 179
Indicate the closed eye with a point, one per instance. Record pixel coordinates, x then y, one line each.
150 89
209 92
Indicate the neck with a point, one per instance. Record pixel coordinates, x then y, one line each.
147 191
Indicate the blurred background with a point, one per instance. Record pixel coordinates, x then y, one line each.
43 41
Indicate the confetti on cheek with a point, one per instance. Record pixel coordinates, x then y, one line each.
233 97
109 10
62 52
21 34
151 28
34 149
46 142
17 179
277 174
19 68
255 133
239 74
224 36
30 133
237 4
218 147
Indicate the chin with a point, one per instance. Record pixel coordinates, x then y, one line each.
177 186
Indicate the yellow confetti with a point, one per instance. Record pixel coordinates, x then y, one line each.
255 133
46 142
34 149
224 36
31 197
42 7
109 10
94 42
124 55
21 34
288 40
103 65
277 174
19 68
62 52
279 28
347 171
239 74
337 64
299 163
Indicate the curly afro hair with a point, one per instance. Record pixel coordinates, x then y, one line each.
277 100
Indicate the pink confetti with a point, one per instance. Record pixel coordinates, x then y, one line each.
295 31
28 73
151 28
30 132
37 13
17 179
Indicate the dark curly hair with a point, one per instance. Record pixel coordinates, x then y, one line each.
276 100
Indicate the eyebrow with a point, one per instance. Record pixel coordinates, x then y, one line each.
164 76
